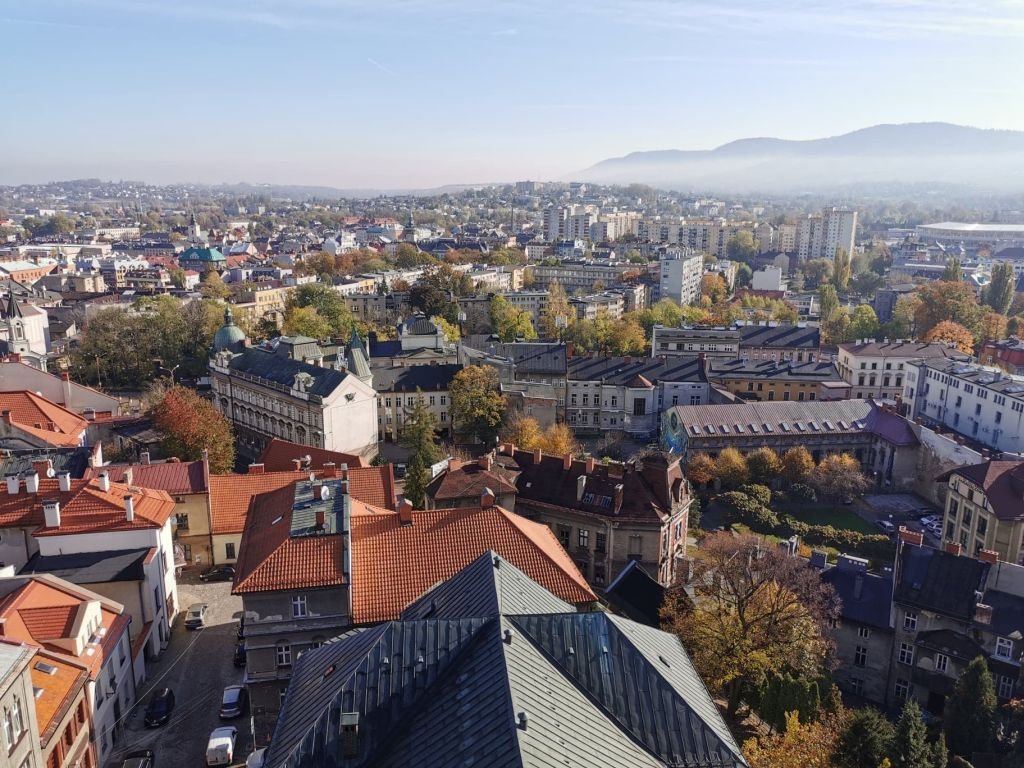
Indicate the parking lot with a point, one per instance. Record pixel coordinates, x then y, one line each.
899 509
197 665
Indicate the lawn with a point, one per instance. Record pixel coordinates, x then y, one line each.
837 517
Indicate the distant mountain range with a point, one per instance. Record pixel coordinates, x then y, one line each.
912 153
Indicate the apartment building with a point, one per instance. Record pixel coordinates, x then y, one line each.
764 340
398 389
878 369
580 276
985 405
773 380
623 394
983 509
680 273
608 303
820 235
261 301
21 723
1007 354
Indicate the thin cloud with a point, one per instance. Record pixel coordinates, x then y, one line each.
381 67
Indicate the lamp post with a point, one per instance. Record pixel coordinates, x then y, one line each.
161 367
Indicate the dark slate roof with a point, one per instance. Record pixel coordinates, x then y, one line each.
951 643
429 378
636 595
488 586
1007 610
278 368
621 370
389 348
891 427
534 357
938 581
73 460
866 597
783 335
418 325
774 370
91 567
896 348
594 688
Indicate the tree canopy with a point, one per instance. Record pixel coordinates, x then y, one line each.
189 424
477 405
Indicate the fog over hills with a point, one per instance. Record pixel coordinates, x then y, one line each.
913 153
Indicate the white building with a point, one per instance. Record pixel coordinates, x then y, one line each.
996 236
877 370
768 279
820 235
679 276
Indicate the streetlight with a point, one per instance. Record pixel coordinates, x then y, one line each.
161 367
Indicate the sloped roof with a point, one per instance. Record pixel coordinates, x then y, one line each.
465 481
903 349
38 417
57 691
620 371
429 378
636 594
278 368
938 581
279 454
175 477
595 690
91 567
1003 483
782 335
869 603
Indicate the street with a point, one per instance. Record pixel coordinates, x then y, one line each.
197 665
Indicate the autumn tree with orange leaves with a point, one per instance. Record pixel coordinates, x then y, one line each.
952 333
189 424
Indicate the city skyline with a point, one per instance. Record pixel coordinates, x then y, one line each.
420 94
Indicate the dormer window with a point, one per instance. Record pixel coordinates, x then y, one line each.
1004 648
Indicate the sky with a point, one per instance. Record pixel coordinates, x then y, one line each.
391 94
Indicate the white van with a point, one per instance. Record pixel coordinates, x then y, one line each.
220 749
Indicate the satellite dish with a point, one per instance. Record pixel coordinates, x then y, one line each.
312 476
325 493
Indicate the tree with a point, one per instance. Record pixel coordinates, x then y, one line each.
328 304
213 286
970 717
829 302
419 428
865 741
741 246
903 324
940 754
700 469
797 465
306 321
799 745
321 264
992 327
558 314
626 337
510 323
558 440
943 300
838 476
816 272
999 292
450 330
714 288
952 333
836 329
841 269
189 424
177 275
910 746
764 465
476 402
521 430
744 275
867 283
747 622
731 468
953 273
863 323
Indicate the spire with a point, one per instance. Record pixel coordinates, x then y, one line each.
13 309
229 318
357 360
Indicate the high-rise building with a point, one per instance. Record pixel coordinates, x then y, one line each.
820 235
680 275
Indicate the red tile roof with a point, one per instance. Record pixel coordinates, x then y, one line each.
465 481
1003 483
392 564
42 419
175 477
279 454
50 622
373 485
85 508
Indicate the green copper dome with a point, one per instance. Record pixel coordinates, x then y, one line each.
229 336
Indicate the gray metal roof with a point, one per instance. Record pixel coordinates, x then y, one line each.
279 369
309 505
91 567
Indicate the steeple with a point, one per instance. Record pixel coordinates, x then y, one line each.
229 337
356 359
12 308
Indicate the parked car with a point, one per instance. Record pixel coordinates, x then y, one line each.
257 759
240 655
234 702
929 519
218 573
886 527
400 471
143 758
220 749
159 709
195 618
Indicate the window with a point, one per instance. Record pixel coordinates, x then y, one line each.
8 729
432 399
564 532
856 686
906 655
902 689
444 416
909 621
860 656
444 399
229 550
636 548
599 573
572 399
284 655
299 607
1004 648
639 407
863 632
675 399
583 538
181 519
941 662
1004 686
600 542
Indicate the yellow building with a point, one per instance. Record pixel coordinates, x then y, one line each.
767 380
985 508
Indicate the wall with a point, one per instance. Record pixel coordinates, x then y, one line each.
937 454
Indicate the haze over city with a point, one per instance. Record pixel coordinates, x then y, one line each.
418 94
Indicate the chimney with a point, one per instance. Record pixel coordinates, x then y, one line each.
256 469
569 350
64 481
144 458
296 465
321 519
43 467
103 481
129 507
51 513
591 463
343 471
982 613
486 498
509 449
405 512
128 476
32 482
13 481
485 462
911 537
567 462
581 483
330 469
629 359
538 454
988 556
953 548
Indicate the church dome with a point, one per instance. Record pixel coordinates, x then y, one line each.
229 336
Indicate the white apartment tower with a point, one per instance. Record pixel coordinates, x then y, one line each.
680 274
820 235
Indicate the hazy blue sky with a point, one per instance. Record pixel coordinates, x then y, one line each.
388 93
